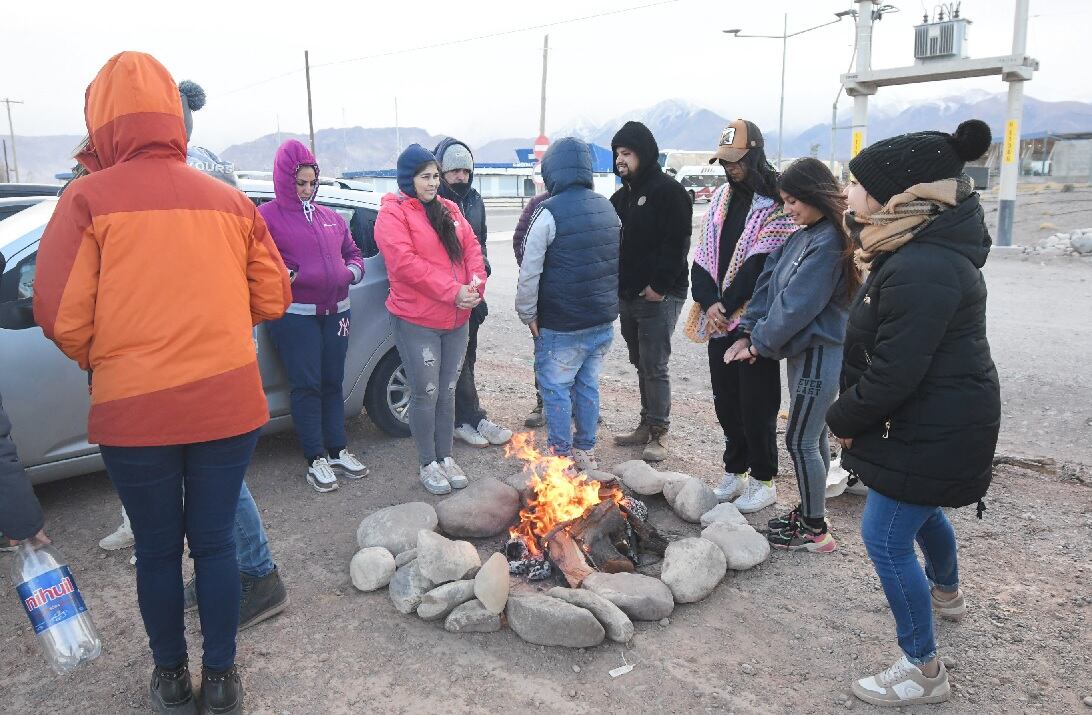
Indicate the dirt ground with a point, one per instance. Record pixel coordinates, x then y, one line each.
806 624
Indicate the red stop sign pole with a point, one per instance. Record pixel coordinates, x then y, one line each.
541 145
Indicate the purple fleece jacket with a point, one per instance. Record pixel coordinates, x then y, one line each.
314 240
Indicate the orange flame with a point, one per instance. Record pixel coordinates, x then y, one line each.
561 494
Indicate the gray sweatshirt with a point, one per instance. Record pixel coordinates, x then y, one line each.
799 301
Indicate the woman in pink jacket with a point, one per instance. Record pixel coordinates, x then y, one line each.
437 276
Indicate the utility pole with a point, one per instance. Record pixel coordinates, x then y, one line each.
1010 150
7 170
11 132
310 118
864 64
781 109
542 105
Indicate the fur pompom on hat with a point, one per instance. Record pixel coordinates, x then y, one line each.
193 98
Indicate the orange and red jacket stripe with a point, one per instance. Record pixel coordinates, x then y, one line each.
151 274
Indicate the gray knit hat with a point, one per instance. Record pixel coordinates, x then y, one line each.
456 156
193 98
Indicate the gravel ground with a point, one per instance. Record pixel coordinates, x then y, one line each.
804 625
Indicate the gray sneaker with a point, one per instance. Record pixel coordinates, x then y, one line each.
434 480
903 684
456 477
952 609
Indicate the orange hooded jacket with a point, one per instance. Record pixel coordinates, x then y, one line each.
151 274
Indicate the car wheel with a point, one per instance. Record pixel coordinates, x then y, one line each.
388 395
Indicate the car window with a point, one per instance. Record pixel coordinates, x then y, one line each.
17 281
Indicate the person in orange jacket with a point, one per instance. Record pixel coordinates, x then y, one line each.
437 277
151 275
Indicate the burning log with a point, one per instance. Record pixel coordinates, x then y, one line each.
568 557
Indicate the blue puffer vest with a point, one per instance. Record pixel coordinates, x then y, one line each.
579 284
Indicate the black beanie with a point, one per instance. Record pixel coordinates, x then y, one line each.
638 137
891 166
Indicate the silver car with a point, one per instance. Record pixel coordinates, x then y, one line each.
45 394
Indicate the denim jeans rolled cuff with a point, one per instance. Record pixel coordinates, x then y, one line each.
251 545
890 529
567 368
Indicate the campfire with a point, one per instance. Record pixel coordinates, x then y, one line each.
574 523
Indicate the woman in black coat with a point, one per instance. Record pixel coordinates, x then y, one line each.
920 406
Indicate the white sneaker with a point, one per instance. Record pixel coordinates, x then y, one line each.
347 463
585 460
456 477
434 479
321 477
470 435
903 684
730 487
756 496
120 539
494 433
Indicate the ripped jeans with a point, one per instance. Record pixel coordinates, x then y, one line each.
432 359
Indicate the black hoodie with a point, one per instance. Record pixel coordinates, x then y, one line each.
920 394
656 212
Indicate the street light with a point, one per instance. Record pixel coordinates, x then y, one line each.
784 37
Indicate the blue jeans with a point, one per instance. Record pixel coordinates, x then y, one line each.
889 528
567 366
251 547
312 349
150 482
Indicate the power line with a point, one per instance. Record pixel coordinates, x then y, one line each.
461 41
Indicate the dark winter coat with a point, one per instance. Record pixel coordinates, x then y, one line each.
656 214
472 205
920 394
523 223
20 513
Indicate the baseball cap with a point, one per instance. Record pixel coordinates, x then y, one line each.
736 140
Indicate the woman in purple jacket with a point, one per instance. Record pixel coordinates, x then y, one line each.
313 336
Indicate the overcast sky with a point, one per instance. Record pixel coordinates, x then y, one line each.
249 58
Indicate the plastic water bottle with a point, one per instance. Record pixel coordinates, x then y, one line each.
48 592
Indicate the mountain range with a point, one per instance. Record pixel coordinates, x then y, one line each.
674 123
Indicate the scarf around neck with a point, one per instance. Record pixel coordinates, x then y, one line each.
904 217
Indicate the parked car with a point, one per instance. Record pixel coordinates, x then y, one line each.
15 204
701 181
46 395
19 190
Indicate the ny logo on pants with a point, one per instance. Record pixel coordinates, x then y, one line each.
343 328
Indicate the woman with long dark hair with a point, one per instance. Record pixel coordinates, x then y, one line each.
798 313
745 223
437 276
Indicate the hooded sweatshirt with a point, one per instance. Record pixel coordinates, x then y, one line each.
469 200
656 214
151 274
314 240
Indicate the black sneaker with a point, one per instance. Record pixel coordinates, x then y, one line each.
261 598
786 522
171 691
803 538
221 692
189 595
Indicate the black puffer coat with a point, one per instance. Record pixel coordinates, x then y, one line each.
920 395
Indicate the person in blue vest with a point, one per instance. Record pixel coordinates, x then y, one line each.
567 295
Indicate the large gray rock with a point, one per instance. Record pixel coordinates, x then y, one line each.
521 482
639 477
743 547
640 597
601 477
405 557
472 617
692 569
492 583
672 487
371 568
725 513
442 600
617 624
694 499
543 620
407 588
485 508
395 528
441 560
1081 242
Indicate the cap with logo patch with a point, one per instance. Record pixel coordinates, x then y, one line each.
736 140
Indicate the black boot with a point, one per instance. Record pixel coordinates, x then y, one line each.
221 692
171 691
261 598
